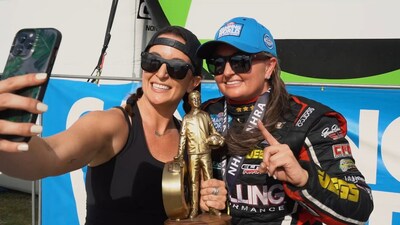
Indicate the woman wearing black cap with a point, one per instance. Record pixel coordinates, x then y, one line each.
294 167
125 148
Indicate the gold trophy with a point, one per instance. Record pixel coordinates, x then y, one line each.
197 136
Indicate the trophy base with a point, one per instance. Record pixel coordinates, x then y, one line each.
204 218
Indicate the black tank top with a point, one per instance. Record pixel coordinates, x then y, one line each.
127 189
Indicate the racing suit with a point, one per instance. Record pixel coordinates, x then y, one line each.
336 191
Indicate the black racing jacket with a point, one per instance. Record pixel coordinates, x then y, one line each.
336 191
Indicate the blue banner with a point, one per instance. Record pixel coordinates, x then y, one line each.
373 117
64 197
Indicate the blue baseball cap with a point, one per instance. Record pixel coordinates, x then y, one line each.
243 33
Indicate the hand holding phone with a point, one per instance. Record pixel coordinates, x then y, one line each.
11 100
32 51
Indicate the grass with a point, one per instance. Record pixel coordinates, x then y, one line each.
15 207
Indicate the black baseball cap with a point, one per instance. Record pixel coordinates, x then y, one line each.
189 48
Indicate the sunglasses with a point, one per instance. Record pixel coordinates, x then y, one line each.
177 69
240 63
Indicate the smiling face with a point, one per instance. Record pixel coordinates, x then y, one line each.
158 87
243 86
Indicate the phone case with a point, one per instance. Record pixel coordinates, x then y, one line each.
33 51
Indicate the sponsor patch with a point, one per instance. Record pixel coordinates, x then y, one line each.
347 164
354 179
268 41
341 151
250 169
304 117
218 121
255 154
230 29
333 132
339 187
257 209
258 195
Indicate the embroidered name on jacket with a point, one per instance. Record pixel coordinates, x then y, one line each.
261 196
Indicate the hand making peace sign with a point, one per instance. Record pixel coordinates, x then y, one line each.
280 162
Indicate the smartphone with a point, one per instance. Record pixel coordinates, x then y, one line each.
33 50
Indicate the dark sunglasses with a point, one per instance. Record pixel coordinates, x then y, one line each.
177 69
240 63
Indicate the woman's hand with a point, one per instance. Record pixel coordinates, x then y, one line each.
280 162
9 100
212 194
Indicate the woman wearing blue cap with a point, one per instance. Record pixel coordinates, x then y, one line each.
287 160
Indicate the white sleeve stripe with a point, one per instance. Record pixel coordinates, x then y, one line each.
312 152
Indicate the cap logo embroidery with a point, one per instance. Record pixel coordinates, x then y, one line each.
230 29
268 41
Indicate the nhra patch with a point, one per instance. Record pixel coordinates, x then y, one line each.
230 29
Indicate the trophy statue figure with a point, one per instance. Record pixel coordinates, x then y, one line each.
198 137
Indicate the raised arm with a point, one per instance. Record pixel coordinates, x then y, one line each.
93 139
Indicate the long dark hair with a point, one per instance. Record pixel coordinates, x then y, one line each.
278 104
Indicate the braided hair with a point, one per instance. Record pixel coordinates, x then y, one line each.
131 101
